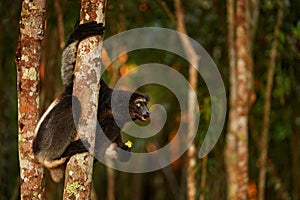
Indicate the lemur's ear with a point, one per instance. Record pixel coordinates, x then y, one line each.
136 95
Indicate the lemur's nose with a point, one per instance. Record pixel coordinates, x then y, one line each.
146 113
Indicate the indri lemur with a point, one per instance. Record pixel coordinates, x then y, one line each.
56 138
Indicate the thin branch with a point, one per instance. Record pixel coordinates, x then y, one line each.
168 173
267 105
60 24
110 181
203 178
281 191
230 146
167 11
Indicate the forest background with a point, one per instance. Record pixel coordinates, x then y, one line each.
206 22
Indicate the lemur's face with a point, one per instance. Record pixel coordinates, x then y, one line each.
139 109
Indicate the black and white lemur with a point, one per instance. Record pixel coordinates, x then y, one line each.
56 138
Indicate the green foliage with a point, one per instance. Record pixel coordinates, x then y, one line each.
282 86
296 31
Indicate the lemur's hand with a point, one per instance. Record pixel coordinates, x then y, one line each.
86 30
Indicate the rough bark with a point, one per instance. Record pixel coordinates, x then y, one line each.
243 77
193 74
241 98
267 106
78 182
28 57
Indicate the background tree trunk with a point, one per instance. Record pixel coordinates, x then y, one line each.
193 74
203 178
28 57
78 182
60 24
267 106
241 98
294 145
230 153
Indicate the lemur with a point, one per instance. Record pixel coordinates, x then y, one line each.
56 138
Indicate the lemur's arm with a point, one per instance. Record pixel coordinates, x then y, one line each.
111 138
81 32
78 146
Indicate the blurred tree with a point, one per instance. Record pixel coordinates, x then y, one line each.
193 76
9 167
241 98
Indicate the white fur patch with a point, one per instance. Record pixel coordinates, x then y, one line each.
140 100
111 151
54 163
52 105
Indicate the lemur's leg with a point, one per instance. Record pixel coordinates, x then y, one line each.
77 146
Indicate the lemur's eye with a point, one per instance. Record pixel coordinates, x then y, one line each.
138 105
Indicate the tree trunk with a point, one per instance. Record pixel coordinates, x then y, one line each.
60 24
267 106
241 98
203 178
193 74
78 182
110 181
243 77
230 153
28 57
48 69
294 141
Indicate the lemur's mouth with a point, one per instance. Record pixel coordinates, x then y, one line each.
143 117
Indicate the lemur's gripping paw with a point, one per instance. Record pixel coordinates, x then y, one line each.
91 28
124 152
86 144
83 31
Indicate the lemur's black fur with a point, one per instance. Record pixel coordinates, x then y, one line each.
56 137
